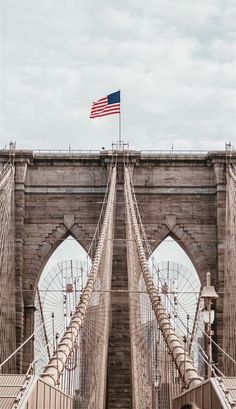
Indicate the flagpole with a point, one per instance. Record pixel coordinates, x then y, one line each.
120 127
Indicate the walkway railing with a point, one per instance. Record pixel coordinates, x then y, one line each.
174 152
214 393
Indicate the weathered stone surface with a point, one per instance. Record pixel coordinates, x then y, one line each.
119 387
181 196
227 278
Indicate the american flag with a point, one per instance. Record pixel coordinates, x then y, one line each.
106 106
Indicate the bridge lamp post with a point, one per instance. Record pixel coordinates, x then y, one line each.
208 294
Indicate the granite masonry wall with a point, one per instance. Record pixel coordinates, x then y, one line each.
56 195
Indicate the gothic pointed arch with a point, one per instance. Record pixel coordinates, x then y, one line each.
46 248
187 242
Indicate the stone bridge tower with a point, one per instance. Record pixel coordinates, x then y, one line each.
57 195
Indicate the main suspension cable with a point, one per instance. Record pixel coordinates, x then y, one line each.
57 363
182 360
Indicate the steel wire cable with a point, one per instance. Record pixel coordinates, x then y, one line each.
205 334
148 280
94 335
233 171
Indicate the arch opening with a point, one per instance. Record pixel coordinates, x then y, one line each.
57 295
170 249
179 286
68 249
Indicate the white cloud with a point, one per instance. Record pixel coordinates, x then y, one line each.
174 62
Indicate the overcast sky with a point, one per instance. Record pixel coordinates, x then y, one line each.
167 250
174 61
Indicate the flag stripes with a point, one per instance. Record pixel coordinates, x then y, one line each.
106 106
